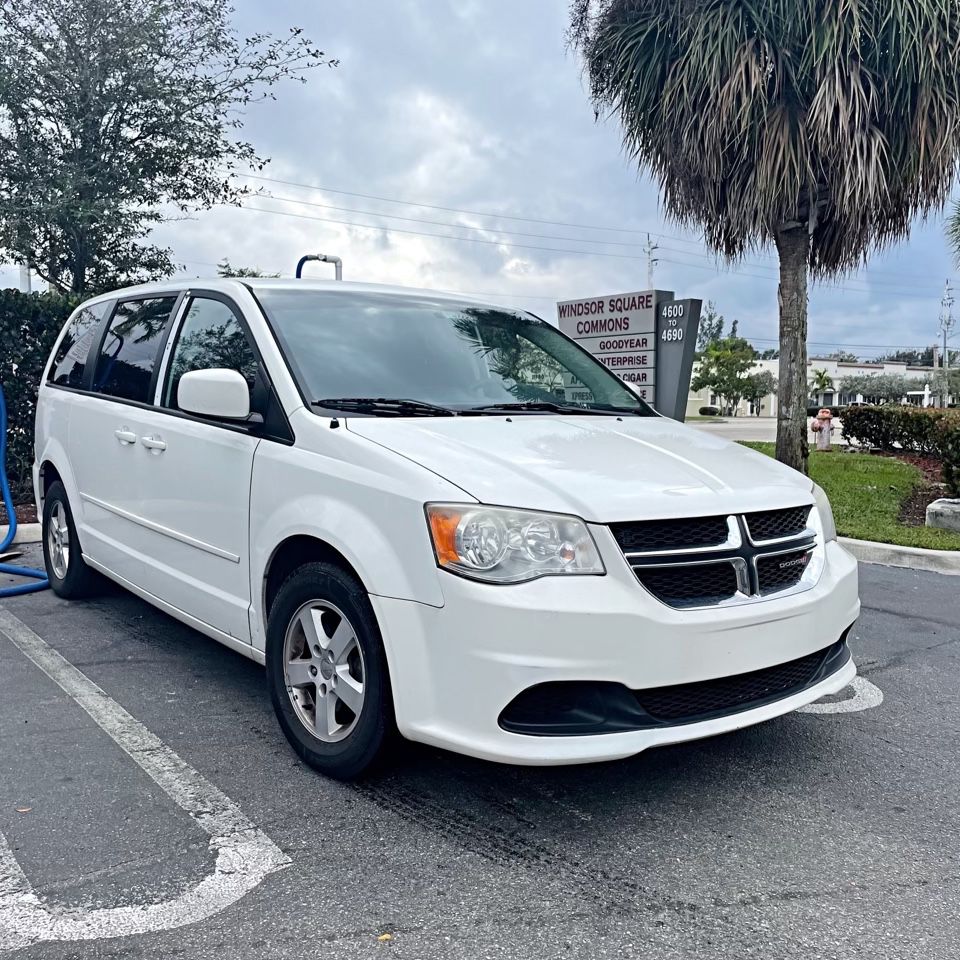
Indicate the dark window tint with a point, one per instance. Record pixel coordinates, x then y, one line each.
211 337
129 351
70 360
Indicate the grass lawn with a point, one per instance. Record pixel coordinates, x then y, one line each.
866 492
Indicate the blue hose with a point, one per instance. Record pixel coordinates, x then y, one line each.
9 568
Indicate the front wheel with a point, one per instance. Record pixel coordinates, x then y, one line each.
327 672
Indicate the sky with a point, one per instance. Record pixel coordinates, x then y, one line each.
477 107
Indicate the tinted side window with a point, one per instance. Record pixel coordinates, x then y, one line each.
129 351
70 360
211 336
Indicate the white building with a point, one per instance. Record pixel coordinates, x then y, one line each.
836 370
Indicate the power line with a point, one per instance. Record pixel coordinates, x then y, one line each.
457 226
473 213
502 216
521 246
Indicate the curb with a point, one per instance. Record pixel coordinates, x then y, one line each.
917 558
26 533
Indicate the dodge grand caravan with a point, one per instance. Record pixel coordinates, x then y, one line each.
390 499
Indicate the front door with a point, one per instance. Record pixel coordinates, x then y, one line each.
195 479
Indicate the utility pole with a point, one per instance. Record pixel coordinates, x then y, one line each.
650 249
946 325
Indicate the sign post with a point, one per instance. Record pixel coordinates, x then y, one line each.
647 339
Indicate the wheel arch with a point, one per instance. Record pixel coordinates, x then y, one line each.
49 474
291 554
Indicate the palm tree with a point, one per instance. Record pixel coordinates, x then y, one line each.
822 129
820 383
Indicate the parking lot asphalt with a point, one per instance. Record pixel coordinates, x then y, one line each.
833 835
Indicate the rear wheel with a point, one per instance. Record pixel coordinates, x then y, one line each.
327 671
69 575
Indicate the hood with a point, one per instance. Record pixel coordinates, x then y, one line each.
600 468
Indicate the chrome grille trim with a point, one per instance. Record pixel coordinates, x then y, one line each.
733 541
743 553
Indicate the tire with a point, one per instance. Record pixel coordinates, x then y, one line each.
69 575
323 643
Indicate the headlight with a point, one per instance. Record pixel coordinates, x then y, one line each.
498 545
826 514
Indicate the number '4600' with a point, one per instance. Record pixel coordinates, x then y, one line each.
672 334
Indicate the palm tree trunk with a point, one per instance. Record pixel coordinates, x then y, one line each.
793 246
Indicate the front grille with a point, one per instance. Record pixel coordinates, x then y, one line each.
781 570
774 524
691 702
702 561
690 585
685 534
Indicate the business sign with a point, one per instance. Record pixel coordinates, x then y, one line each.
647 339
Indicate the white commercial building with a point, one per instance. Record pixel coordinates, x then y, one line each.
836 370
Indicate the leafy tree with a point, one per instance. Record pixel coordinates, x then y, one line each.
758 385
820 382
723 369
770 354
711 326
946 382
842 356
913 358
226 269
880 387
822 129
116 115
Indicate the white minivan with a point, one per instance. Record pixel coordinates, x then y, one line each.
390 499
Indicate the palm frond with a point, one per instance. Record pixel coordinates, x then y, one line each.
756 114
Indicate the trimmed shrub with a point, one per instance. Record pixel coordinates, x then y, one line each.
709 411
29 324
928 432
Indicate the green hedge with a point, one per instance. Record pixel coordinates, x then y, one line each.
929 432
29 324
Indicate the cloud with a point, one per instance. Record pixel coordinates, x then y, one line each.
477 105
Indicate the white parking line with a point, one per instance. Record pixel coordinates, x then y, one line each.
244 854
865 696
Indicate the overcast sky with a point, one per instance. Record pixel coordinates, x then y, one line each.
477 105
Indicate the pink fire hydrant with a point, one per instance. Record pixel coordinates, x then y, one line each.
822 426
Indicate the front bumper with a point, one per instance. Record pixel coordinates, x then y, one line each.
454 669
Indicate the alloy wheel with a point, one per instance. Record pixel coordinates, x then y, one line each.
58 540
324 671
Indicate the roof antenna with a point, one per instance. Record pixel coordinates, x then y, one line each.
323 258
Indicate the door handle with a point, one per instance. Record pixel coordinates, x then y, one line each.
153 443
125 436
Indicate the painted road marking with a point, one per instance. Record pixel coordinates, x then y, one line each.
244 854
865 696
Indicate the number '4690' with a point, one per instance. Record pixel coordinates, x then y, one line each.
672 333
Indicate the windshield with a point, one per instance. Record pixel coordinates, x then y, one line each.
455 356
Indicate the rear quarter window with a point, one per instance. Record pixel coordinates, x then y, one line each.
128 355
70 361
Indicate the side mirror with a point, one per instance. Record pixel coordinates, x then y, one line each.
218 393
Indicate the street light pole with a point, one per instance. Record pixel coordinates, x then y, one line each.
946 325
650 249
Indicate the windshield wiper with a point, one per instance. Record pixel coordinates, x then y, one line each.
549 406
385 407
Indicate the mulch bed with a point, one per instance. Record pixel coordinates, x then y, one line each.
26 513
913 510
